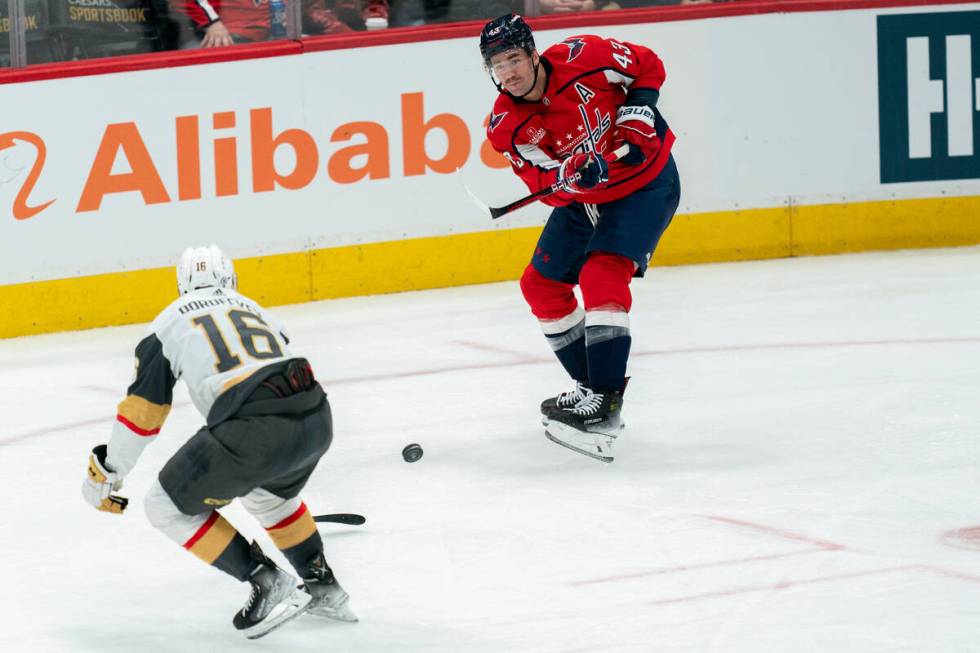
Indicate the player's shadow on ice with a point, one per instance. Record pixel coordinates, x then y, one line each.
531 452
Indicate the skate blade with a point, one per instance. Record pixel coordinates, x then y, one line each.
295 604
546 422
340 613
593 445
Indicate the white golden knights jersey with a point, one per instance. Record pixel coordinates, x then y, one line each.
213 339
588 78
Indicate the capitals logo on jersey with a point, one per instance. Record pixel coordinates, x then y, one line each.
588 136
595 133
575 47
495 119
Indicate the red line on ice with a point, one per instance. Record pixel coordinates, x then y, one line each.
788 535
950 573
105 419
541 360
703 565
537 360
782 585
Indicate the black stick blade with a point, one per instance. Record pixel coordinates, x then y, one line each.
341 518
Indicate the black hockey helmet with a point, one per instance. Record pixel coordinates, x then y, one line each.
505 33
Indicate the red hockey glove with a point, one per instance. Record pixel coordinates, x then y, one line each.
584 171
635 127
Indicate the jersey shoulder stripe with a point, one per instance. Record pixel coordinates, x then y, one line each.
612 74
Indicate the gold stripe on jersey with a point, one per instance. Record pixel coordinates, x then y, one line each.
145 415
292 531
235 380
210 544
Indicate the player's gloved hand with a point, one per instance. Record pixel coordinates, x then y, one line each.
635 128
100 483
584 171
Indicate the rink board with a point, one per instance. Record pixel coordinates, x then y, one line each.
318 197
501 255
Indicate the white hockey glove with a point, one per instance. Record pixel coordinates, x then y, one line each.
100 483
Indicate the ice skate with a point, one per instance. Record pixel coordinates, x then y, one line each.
274 599
564 400
328 598
591 427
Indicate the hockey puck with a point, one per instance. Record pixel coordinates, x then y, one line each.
412 453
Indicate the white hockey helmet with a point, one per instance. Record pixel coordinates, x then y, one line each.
205 267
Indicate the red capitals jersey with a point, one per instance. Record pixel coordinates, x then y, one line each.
588 78
246 19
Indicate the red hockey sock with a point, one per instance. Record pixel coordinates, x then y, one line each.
605 282
561 319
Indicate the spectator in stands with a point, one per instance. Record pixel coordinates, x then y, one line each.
566 6
226 22
633 4
376 14
424 12
355 14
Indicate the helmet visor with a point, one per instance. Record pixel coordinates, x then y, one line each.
501 66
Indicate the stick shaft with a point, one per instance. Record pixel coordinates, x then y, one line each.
497 211
341 518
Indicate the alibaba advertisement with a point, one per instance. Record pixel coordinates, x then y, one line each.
122 171
122 146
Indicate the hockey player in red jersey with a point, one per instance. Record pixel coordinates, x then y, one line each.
268 424
559 116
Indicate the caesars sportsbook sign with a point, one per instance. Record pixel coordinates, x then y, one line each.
929 96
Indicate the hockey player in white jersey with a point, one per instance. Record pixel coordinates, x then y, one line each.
268 424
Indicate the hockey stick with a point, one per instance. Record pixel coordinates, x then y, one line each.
341 518
495 212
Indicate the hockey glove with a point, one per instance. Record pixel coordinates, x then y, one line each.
635 127
583 171
100 483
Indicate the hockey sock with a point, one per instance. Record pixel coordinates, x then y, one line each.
604 280
218 544
607 345
561 319
296 536
569 345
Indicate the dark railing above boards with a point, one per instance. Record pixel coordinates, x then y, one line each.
40 33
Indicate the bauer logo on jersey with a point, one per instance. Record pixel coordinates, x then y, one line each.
928 112
575 47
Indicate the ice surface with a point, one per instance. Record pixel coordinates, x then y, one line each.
799 473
